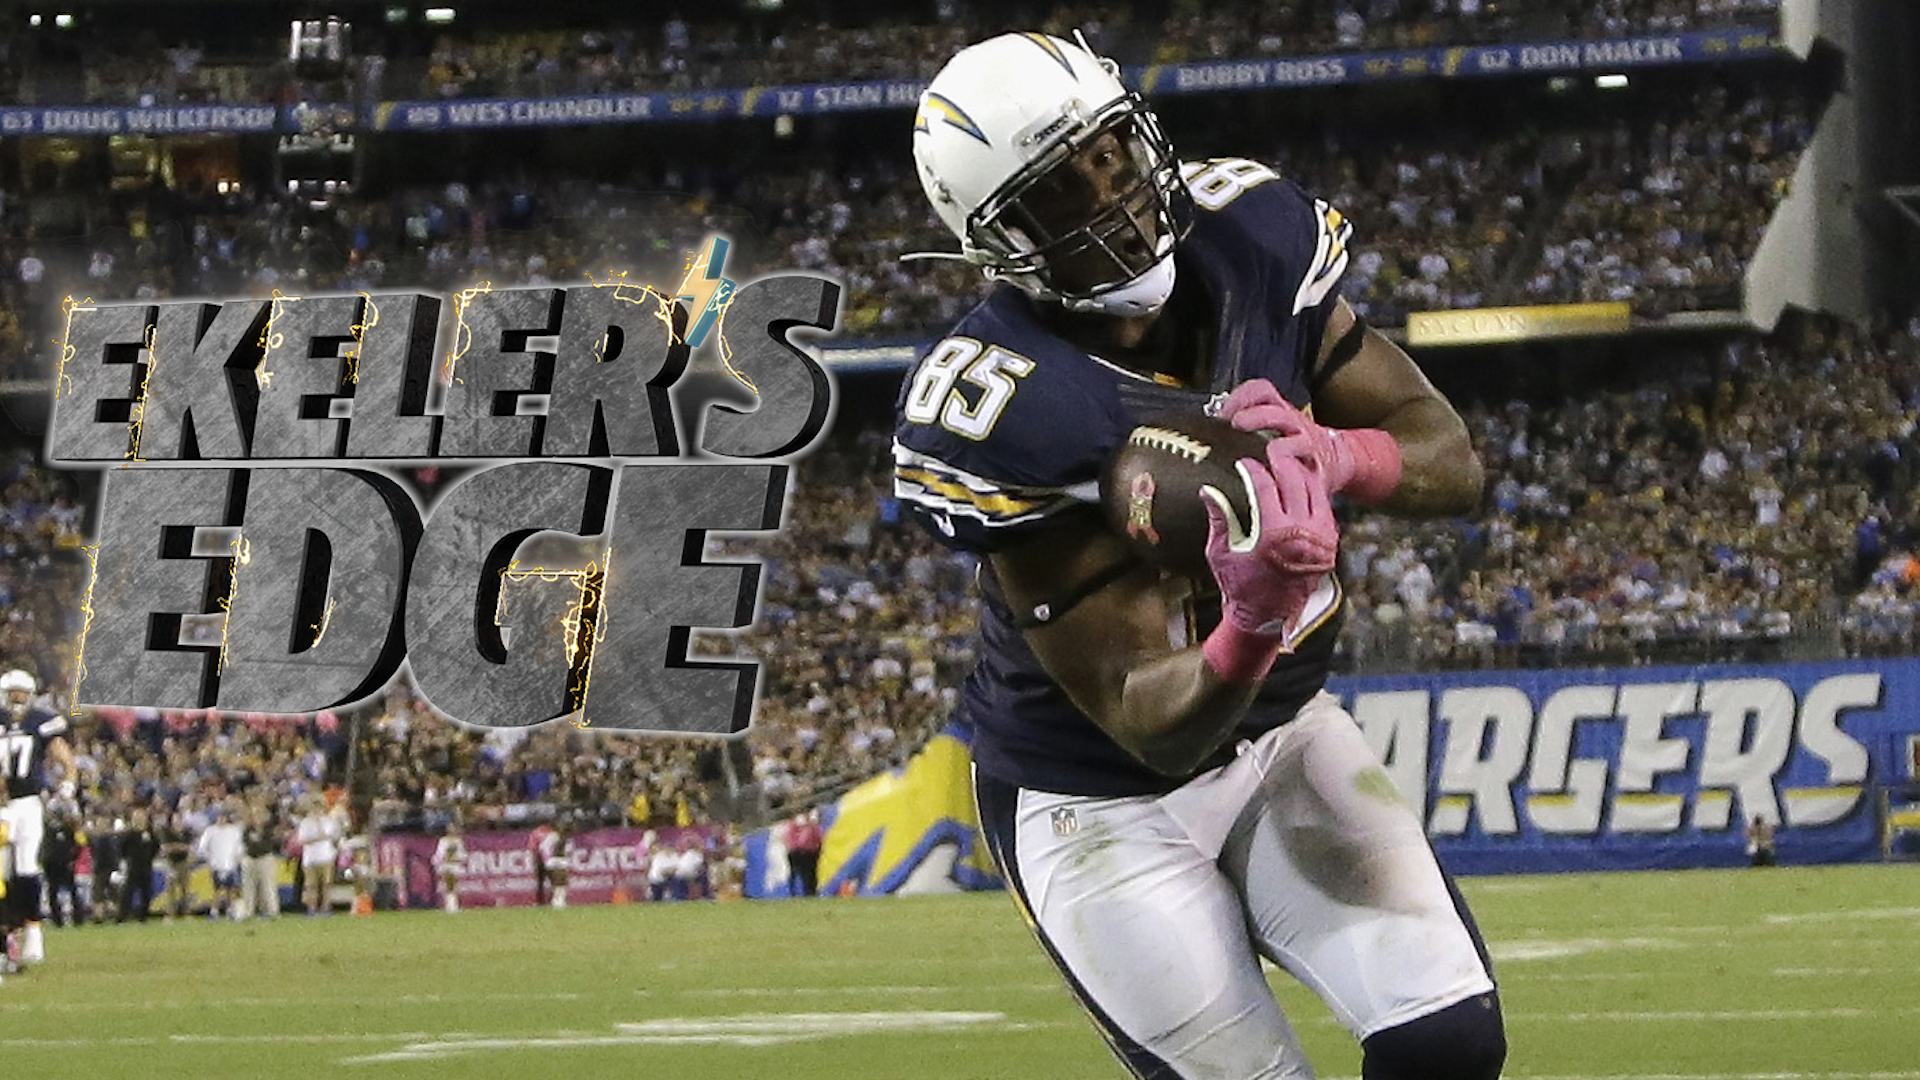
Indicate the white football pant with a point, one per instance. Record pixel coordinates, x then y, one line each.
1159 908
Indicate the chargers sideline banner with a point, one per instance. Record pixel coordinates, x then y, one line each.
1516 772
1643 768
463 114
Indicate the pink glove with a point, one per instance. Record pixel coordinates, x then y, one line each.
1363 462
1267 567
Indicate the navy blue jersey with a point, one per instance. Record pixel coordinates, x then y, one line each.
23 749
1004 427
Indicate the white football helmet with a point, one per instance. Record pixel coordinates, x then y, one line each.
999 119
14 682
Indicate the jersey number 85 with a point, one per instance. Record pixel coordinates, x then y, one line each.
936 396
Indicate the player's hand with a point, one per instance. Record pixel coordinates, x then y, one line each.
1363 462
1256 405
1269 566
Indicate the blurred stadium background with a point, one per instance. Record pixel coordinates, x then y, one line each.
1661 253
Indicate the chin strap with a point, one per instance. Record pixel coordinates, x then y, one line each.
1144 295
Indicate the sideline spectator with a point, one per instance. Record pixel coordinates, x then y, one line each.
318 835
803 837
1760 846
222 846
262 844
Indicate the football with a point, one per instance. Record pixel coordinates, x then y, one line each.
1150 491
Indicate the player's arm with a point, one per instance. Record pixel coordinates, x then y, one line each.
1366 382
60 752
1117 650
1113 652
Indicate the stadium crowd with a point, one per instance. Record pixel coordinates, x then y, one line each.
1754 495
126 59
1660 205
1667 215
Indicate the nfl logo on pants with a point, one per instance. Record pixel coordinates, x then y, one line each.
1064 823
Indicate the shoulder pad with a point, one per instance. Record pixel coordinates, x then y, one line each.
1308 233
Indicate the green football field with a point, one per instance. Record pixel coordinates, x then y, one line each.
1780 974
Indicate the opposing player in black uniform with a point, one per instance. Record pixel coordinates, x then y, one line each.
1168 790
32 736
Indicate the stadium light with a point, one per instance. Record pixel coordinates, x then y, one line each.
63 20
33 19
1610 82
438 14
396 15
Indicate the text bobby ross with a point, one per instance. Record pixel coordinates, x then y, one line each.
336 576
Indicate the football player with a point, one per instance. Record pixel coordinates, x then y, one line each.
449 863
6 909
554 857
32 736
537 847
1166 787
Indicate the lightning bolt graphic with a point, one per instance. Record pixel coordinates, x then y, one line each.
704 291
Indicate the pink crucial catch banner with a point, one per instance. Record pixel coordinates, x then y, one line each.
500 866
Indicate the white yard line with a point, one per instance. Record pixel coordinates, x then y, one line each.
1717 1015
1778 973
311 1037
761 1029
1840 972
1554 949
304 1002
1846 916
831 991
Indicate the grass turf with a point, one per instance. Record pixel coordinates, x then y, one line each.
1789 974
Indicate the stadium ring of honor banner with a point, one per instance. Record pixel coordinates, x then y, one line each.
1474 61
